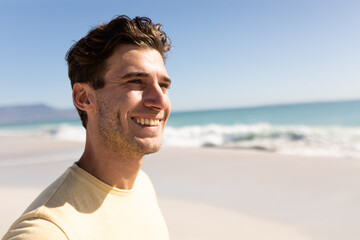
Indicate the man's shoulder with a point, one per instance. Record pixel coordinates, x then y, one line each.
35 228
53 191
55 205
36 222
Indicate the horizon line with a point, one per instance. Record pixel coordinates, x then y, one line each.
206 109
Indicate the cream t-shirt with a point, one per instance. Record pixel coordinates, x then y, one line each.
78 206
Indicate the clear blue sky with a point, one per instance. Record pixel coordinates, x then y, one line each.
226 53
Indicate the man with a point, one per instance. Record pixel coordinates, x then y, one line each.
120 88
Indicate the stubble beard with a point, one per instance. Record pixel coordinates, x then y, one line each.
113 134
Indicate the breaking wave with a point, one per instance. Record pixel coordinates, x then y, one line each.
333 141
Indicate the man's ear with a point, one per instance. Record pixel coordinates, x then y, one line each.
84 97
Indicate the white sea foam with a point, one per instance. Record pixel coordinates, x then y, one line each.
70 133
333 141
65 132
298 140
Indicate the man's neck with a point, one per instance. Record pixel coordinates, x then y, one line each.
115 169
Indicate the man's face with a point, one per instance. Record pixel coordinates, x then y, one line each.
133 107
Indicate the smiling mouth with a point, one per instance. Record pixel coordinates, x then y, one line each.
147 121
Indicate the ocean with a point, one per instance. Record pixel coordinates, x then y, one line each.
310 129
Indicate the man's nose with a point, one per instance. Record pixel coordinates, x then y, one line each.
155 97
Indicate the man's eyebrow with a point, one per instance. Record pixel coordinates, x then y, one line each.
135 74
142 74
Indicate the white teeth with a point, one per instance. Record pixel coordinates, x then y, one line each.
147 121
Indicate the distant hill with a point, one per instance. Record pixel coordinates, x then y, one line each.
34 113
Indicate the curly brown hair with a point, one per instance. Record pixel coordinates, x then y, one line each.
86 58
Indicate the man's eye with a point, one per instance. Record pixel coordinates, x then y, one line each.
164 86
136 81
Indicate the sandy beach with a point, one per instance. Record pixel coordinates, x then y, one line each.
210 193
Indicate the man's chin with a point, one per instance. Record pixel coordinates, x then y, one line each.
153 149
147 147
